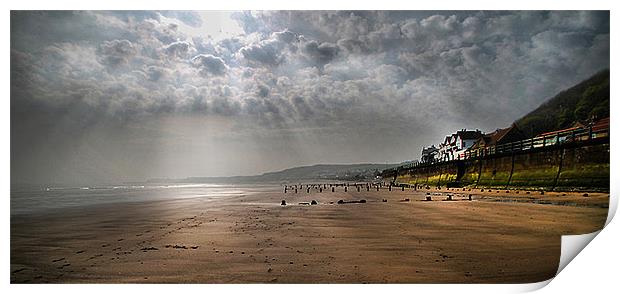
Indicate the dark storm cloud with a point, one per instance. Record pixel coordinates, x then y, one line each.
210 64
321 53
116 52
449 61
178 49
341 72
264 53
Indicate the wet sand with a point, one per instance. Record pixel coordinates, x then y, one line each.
496 238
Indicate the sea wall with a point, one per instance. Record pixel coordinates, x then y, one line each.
560 168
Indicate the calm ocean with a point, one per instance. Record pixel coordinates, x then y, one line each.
39 200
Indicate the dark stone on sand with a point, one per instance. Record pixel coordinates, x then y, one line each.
428 198
314 202
384 200
283 202
469 197
585 195
353 201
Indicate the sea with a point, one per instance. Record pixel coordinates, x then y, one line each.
34 200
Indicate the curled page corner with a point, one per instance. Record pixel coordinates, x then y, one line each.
571 246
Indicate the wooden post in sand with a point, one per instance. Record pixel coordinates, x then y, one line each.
367 188
320 190
402 188
332 189
295 190
345 188
308 191
284 189
390 188
377 188
358 188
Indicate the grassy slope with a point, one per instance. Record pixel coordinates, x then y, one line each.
579 103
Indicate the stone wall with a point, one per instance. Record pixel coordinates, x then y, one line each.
565 167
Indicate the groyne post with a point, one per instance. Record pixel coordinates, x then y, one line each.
557 176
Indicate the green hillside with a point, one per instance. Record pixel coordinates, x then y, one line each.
588 99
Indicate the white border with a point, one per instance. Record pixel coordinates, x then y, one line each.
592 271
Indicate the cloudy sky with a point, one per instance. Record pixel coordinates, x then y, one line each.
99 97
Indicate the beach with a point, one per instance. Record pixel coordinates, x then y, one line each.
497 237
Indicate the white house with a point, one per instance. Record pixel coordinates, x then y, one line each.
454 146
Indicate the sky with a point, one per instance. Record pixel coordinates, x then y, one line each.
114 96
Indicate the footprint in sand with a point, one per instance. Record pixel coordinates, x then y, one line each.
145 249
78 252
57 260
63 266
94 256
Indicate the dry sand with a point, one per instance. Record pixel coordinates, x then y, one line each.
253 239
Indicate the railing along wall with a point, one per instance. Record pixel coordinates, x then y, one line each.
554 139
